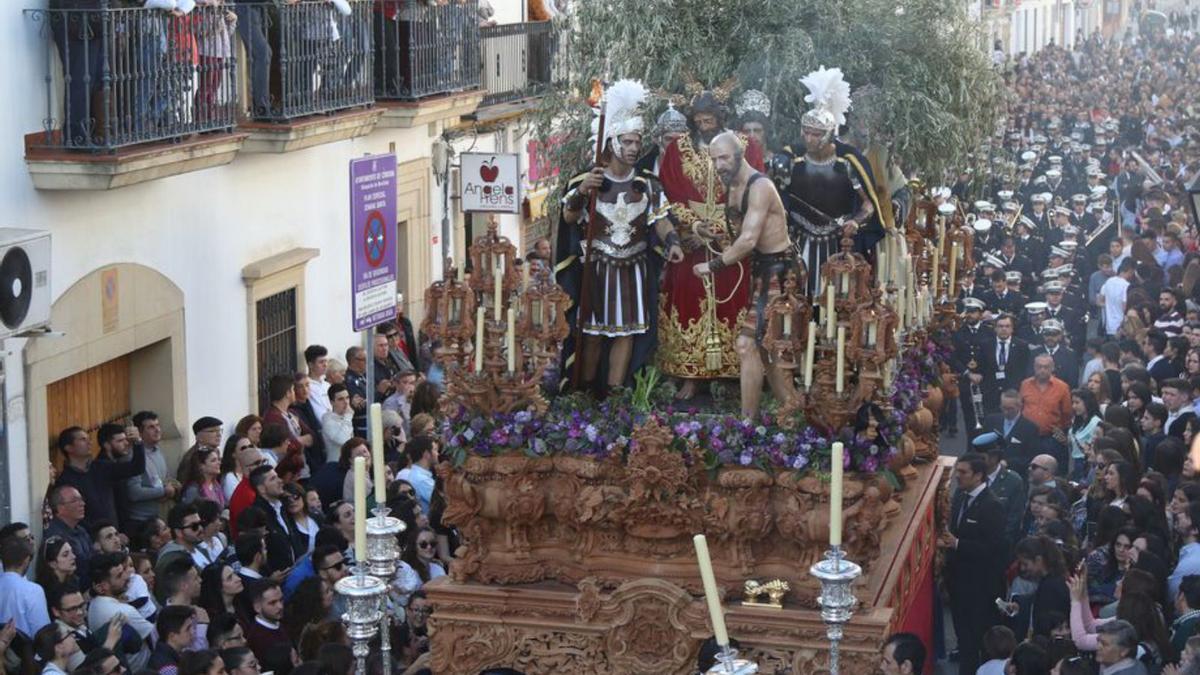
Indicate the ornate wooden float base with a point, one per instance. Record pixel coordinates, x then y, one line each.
654 626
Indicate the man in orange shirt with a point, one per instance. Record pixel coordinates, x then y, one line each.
1047 403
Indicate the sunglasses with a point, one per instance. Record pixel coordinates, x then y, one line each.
194 526
423 610
407 493
341 564
425 544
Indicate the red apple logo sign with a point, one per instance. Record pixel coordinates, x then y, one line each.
492 192
488 171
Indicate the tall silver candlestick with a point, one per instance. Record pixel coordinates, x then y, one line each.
383 555
364 602
837 600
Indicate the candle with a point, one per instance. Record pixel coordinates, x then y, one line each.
360 509
872 329
894 251
881 258
934 281
835 496
510 341
841 358
462 273
497 286
830 315
844 281
808 353
525 275
710 590
950 290
887 376
787 324
479 339
535 308
900 308
377 463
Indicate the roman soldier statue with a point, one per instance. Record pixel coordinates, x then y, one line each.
830 192
607 266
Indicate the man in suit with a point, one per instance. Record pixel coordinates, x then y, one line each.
269 494
1009 357
1158 365
1066 363
1177 397
1005 485
1019 435
1001 300
976 555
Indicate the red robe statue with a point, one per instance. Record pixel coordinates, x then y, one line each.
689 343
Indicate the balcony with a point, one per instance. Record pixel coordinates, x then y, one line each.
521 61
427 60
309 72
142 94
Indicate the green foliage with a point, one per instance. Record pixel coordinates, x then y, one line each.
920 83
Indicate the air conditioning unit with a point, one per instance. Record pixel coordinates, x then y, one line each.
24 280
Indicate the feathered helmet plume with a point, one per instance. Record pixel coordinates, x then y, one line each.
829 94
622 110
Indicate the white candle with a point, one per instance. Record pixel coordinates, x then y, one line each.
787 324
510 341
900 308
844 281
871 334
835 496
715 612
881 261
377 464
525 275
830 317
360 509
841 358
479 318
497 286
951 289
808 353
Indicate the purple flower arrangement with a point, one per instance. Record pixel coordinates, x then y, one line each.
578 426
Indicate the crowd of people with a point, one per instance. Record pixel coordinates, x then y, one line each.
1078 364
227 563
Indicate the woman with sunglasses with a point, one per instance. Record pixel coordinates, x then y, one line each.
206 469
304 537
421 555
231 472
54 646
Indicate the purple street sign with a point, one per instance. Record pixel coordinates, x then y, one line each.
372 240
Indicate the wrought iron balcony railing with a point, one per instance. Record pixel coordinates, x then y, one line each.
424 50
521 60
133 76
306 58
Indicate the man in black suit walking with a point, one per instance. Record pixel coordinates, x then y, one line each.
1020 435
1010 362
976 555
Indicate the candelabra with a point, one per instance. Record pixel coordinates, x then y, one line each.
499 331
729 664
364 596
837 600
383 554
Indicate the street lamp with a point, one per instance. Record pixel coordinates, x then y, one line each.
1193 192
443 156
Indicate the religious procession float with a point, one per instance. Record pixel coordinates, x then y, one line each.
611 522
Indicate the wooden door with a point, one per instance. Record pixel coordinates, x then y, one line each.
88 399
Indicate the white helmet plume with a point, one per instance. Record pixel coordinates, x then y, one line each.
829 94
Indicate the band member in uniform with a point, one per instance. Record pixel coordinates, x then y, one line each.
1066 363
972 363
755 213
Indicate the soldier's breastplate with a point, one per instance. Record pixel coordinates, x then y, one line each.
621 214
825 189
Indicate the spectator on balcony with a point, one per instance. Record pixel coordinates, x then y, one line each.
215 26
79 38
253 18
487 15
318 53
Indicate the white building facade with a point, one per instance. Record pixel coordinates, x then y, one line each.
185 271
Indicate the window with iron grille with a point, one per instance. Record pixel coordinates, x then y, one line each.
275 341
